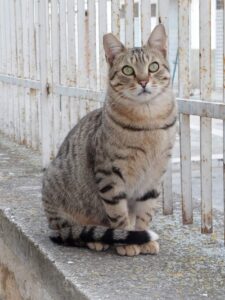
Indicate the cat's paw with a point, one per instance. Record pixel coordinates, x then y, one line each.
128 250
151 247
97 246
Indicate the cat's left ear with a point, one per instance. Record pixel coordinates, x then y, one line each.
158 39
112 47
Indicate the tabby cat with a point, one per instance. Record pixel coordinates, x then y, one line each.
103 185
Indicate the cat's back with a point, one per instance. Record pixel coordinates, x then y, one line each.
72 168
74 157
79 135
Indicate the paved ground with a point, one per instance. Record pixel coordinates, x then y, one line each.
189 266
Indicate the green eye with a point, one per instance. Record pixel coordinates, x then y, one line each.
127 70
153 67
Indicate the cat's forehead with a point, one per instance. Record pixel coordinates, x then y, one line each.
139 55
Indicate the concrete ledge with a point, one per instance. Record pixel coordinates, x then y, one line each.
189 266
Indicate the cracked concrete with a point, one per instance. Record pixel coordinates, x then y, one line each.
189 266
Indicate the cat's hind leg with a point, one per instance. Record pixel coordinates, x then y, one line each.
57 224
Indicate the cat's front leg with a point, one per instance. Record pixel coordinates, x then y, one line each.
112 192
145 207
117 211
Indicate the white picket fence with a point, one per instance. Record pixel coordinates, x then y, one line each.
53 71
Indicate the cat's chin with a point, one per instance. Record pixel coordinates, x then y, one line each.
141 99
138 98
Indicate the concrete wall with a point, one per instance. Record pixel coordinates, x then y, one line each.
17 281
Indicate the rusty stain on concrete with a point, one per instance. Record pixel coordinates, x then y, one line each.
8 285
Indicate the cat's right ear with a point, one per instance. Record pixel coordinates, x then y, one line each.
158 39
112 47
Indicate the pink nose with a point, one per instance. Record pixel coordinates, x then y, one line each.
143 83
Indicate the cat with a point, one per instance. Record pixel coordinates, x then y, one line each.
103 185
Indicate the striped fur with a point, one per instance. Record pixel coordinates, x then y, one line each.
103 186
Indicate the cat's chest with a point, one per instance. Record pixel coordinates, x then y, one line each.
149 151
148 163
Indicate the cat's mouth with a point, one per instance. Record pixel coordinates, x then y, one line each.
143 92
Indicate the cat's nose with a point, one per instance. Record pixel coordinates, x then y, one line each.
143 83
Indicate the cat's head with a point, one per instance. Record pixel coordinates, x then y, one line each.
138 74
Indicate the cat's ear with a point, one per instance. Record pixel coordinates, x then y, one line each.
158 39
112 47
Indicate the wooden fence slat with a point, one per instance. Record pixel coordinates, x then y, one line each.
20 95
92 62
145 20
71 64
102 20
55 73
92 44
224 114
26 71
167 182
5 55
1 66
1 71
45 120
82 68
163 12
37 47
184 91
115 17
129 23
49 76
15 72
205 123
9 69
8 65
13 68
33 73
202 108
65 112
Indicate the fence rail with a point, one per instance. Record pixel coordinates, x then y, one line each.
53 72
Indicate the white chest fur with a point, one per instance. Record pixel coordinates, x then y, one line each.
146 171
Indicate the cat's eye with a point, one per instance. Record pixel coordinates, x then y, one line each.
153 67
127 70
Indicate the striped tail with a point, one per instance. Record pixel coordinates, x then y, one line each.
79 235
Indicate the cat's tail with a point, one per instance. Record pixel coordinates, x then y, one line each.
79 235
